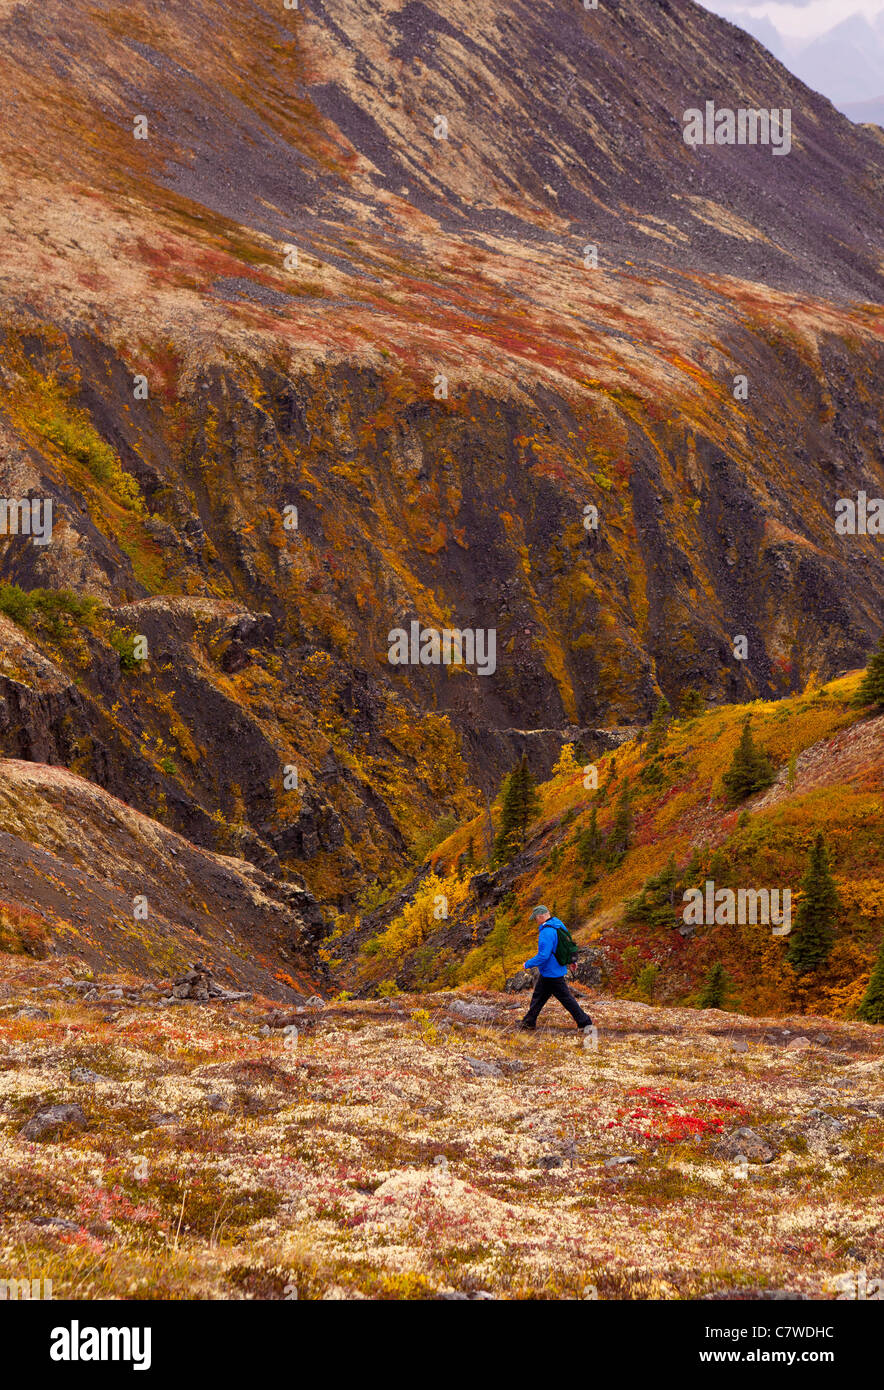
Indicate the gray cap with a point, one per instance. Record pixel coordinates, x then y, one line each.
539 911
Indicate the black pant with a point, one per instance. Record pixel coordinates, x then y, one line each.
542 991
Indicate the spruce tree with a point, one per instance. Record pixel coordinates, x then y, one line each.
602 794
503 844
691 704
655 904
720 868
871 691
751 770
618 839
589 844
714 991
871 1008
519 807
694 867
659 726
529 800
811 941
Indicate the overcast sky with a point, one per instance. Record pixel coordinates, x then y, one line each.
834 46
799 19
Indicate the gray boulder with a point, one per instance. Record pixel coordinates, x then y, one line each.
473 1013
523 979
481 1068
53 1120
745 1143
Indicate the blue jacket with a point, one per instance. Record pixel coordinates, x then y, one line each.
547 941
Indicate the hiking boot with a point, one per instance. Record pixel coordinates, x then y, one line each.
527 1027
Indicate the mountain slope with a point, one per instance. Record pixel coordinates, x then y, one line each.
158 266
85 876
830 763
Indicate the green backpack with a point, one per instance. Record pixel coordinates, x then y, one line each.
566 946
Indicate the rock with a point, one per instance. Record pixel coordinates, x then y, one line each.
550 1161
590 967
194 984
82 1076
473 1013
164 1117
314 1002
57 1223
822 1039
739 1045
281 1018
826 1121
481 1068
453 1296
868 1107
215 1101
620 1160
745 1143
523 979
29 1012
798 1042
53 1119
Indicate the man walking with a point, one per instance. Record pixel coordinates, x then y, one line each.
552 973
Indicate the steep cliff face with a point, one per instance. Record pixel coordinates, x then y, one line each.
295 373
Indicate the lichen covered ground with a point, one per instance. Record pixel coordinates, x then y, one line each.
423 1147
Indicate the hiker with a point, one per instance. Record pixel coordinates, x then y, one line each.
552 971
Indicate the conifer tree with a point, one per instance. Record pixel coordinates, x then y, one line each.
691 704
520 805
655 904
694 867
719 868
714 991
503 844
871 690
871 1008
588 844
659 726
751 770
602 793
813 936
618 839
